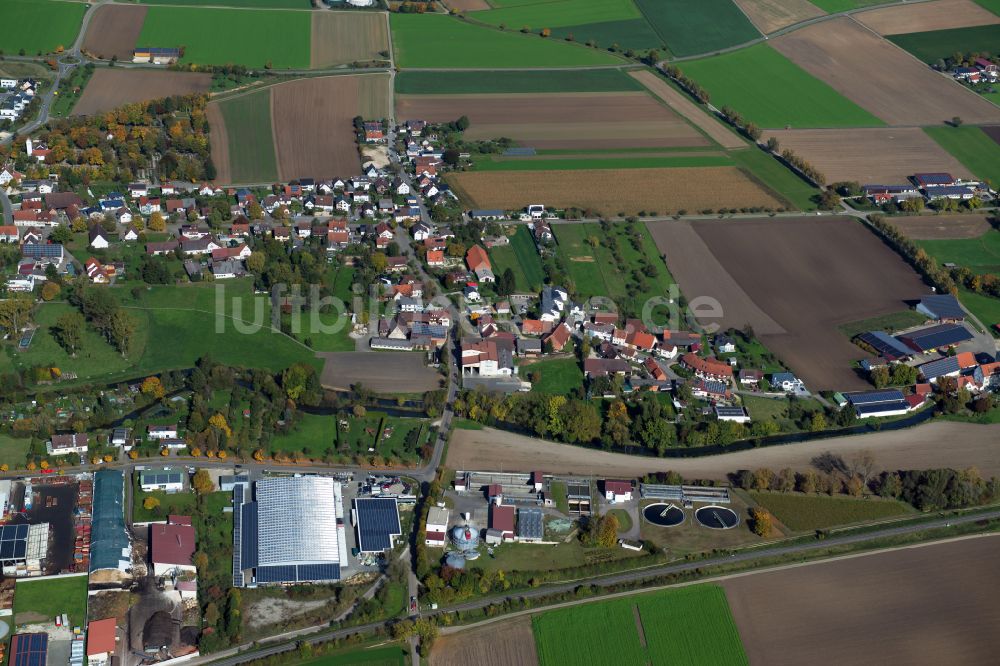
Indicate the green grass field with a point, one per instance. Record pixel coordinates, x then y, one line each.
764 409
14 450
813 512
835 6
427 41
691 28
772 91
248 130
558 376
992 5
251 37
551 81
266 4
890 322
688 625
936 44
970 145
596 161
313 436
777 177
181 504
627 34
522 258
390 655
52 596
986 309
981 255
538 15
39 25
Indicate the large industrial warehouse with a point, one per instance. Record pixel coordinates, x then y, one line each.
288 530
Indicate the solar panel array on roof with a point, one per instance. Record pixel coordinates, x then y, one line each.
160 478
873 397
941 306
378 522
42 251
940 368
882 407
723 410
28 649
885 345
248 535
935 337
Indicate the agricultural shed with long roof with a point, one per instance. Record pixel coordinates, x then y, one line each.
109 544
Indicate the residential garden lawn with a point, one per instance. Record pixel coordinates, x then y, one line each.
433 40
596 161
690 28
776 177
814 512
500 81
52 596
251 37
341 280
558 376
405 440
764 409
176 504
386 655
970 145
894 321
14 450
595 272
248 133
981 255
522 258
539 15
790 96
214 531
687 625
39 25
985 308
934 45
312 435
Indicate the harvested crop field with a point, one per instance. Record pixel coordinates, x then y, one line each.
942 227
771 15
382 372
218 143
114 30
931 604
925 16
969 445
111 88
635 190
340 38
563 120
869 155
683 106
993 132
807 275
509 643
880 77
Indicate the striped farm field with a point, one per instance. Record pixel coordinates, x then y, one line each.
661 190
39 26
436 40
979 153
772 91
416 82
771 15
932 45
250 148
692 28
927 16
341 38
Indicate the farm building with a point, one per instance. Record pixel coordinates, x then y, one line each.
868 404
885 345
101 641
951 366
110 547
28 650
172 546
925 180
734 414
376 520
941 336
437 526
943 307
502 519
156 55
288 530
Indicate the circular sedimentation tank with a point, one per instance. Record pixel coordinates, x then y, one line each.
664 515
717 517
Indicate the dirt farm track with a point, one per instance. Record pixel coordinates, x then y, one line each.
795 280
111 88
934 604
935 444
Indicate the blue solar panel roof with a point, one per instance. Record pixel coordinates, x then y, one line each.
873 397
248 536
885 344
29 649
378 521
874 408
943 335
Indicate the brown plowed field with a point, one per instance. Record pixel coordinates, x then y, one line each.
509 643
340 38
881 77
808 274
967 445
382 372
688 109
218 142
563 120
924 16
933 604
993 132
869 155
311 119
614 190
771 15
942 227
114 30
110 88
